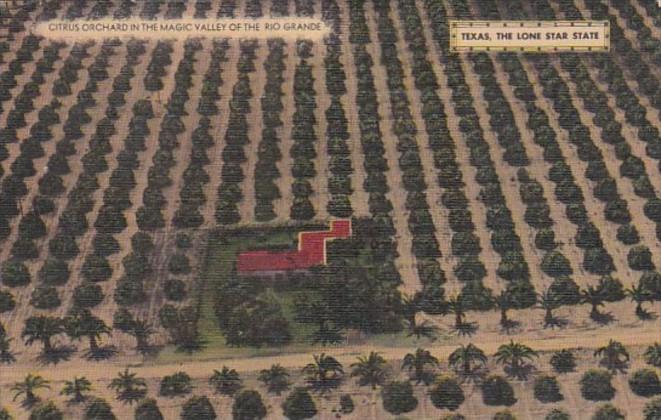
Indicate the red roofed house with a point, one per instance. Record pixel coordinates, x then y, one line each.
311 251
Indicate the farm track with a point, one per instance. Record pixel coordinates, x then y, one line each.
405 261
471 188
630 337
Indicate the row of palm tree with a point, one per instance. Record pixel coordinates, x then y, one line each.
595 296
326 373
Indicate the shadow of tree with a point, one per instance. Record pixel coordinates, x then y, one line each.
466 328
102 353
56 355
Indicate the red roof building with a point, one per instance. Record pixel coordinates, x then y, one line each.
311 251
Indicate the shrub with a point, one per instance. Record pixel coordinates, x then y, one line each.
607 412
105 244
597 261
545 240
563 361
346 404
45 297
46 411
627 234
7 302
652 410
557 414
4 414
555 264
497 391
645 382
546 389
179 264
15 273
596 385
96 268
147 409
141 243
198 408
175 385
653 355
453 417
248 405
183 241
98 409
398 397
299 405
504 415
565 290
640 258
87 295
63 246
54 272
447 393
174 289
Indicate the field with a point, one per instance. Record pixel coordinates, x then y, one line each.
497 199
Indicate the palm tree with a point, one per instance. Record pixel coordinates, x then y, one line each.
42 328
503 302
640 295
614 355
410 306
549 303
324 373
467 360
129 387
27 387
225 381
84 324
276 379
76 389
423 329
327 334
371 370
594 297
417 363
142 330
513 357
456 307
653 355
6 355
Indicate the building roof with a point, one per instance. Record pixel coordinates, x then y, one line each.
311 251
